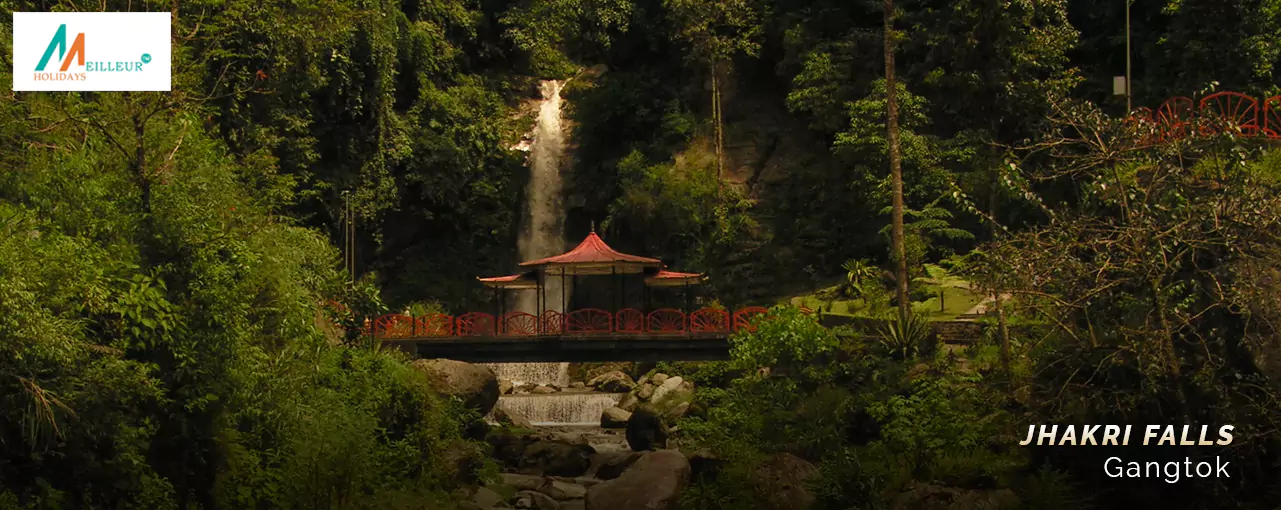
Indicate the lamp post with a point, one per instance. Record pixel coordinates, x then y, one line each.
1129 107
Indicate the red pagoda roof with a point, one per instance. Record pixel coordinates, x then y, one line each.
594 253
515 281
665 278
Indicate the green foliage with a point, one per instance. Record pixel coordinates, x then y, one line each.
905 336
784 338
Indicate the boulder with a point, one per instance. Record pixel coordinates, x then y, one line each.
475 385
578 385
612 382
535 501
628 402
669 385
645 392
542 390
522 482
556 459
506 419
653 483
505 387
507 448
646 430
642 380
613 465
486 498
783 480
658 379
704 464
563 490
614 418
573 504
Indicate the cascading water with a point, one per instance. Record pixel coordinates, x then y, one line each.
543 234
560 408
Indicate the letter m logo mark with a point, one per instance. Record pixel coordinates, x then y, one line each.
59 43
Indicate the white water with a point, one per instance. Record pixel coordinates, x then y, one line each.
560 408
543 232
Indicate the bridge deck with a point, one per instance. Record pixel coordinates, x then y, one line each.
573 347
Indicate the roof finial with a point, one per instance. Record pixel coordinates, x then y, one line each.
593 226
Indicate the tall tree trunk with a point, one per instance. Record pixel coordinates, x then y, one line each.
717 121
997 302
896 167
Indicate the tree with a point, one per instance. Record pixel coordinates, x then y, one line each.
896 170
715 32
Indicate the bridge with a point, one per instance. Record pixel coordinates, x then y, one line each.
586 335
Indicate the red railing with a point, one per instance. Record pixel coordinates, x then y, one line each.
590 321
1220 112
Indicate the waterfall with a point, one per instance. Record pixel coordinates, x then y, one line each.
560 408
543 231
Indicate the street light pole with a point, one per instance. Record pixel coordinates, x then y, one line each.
1129 107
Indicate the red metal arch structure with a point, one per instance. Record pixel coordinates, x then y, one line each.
1221 112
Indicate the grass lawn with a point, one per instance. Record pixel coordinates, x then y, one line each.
955 303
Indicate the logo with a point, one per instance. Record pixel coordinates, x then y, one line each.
98 51
59 43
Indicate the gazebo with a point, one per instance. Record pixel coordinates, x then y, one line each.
594 259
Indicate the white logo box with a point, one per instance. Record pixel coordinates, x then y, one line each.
122 51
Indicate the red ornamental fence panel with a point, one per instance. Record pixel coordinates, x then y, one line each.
1227 111
394 325
589 320
708 320
552 322
1220 112
629 320
476 324
1272 117
436 324
520 324
743 317
665 320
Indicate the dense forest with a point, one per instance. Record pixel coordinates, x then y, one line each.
177 330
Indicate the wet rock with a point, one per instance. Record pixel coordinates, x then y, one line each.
563 490
556 459
646 430
614 464
506 419
535 501
475 385
612 382
653 483
505 387
614 418
578 385
645 392
783 479
542 390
